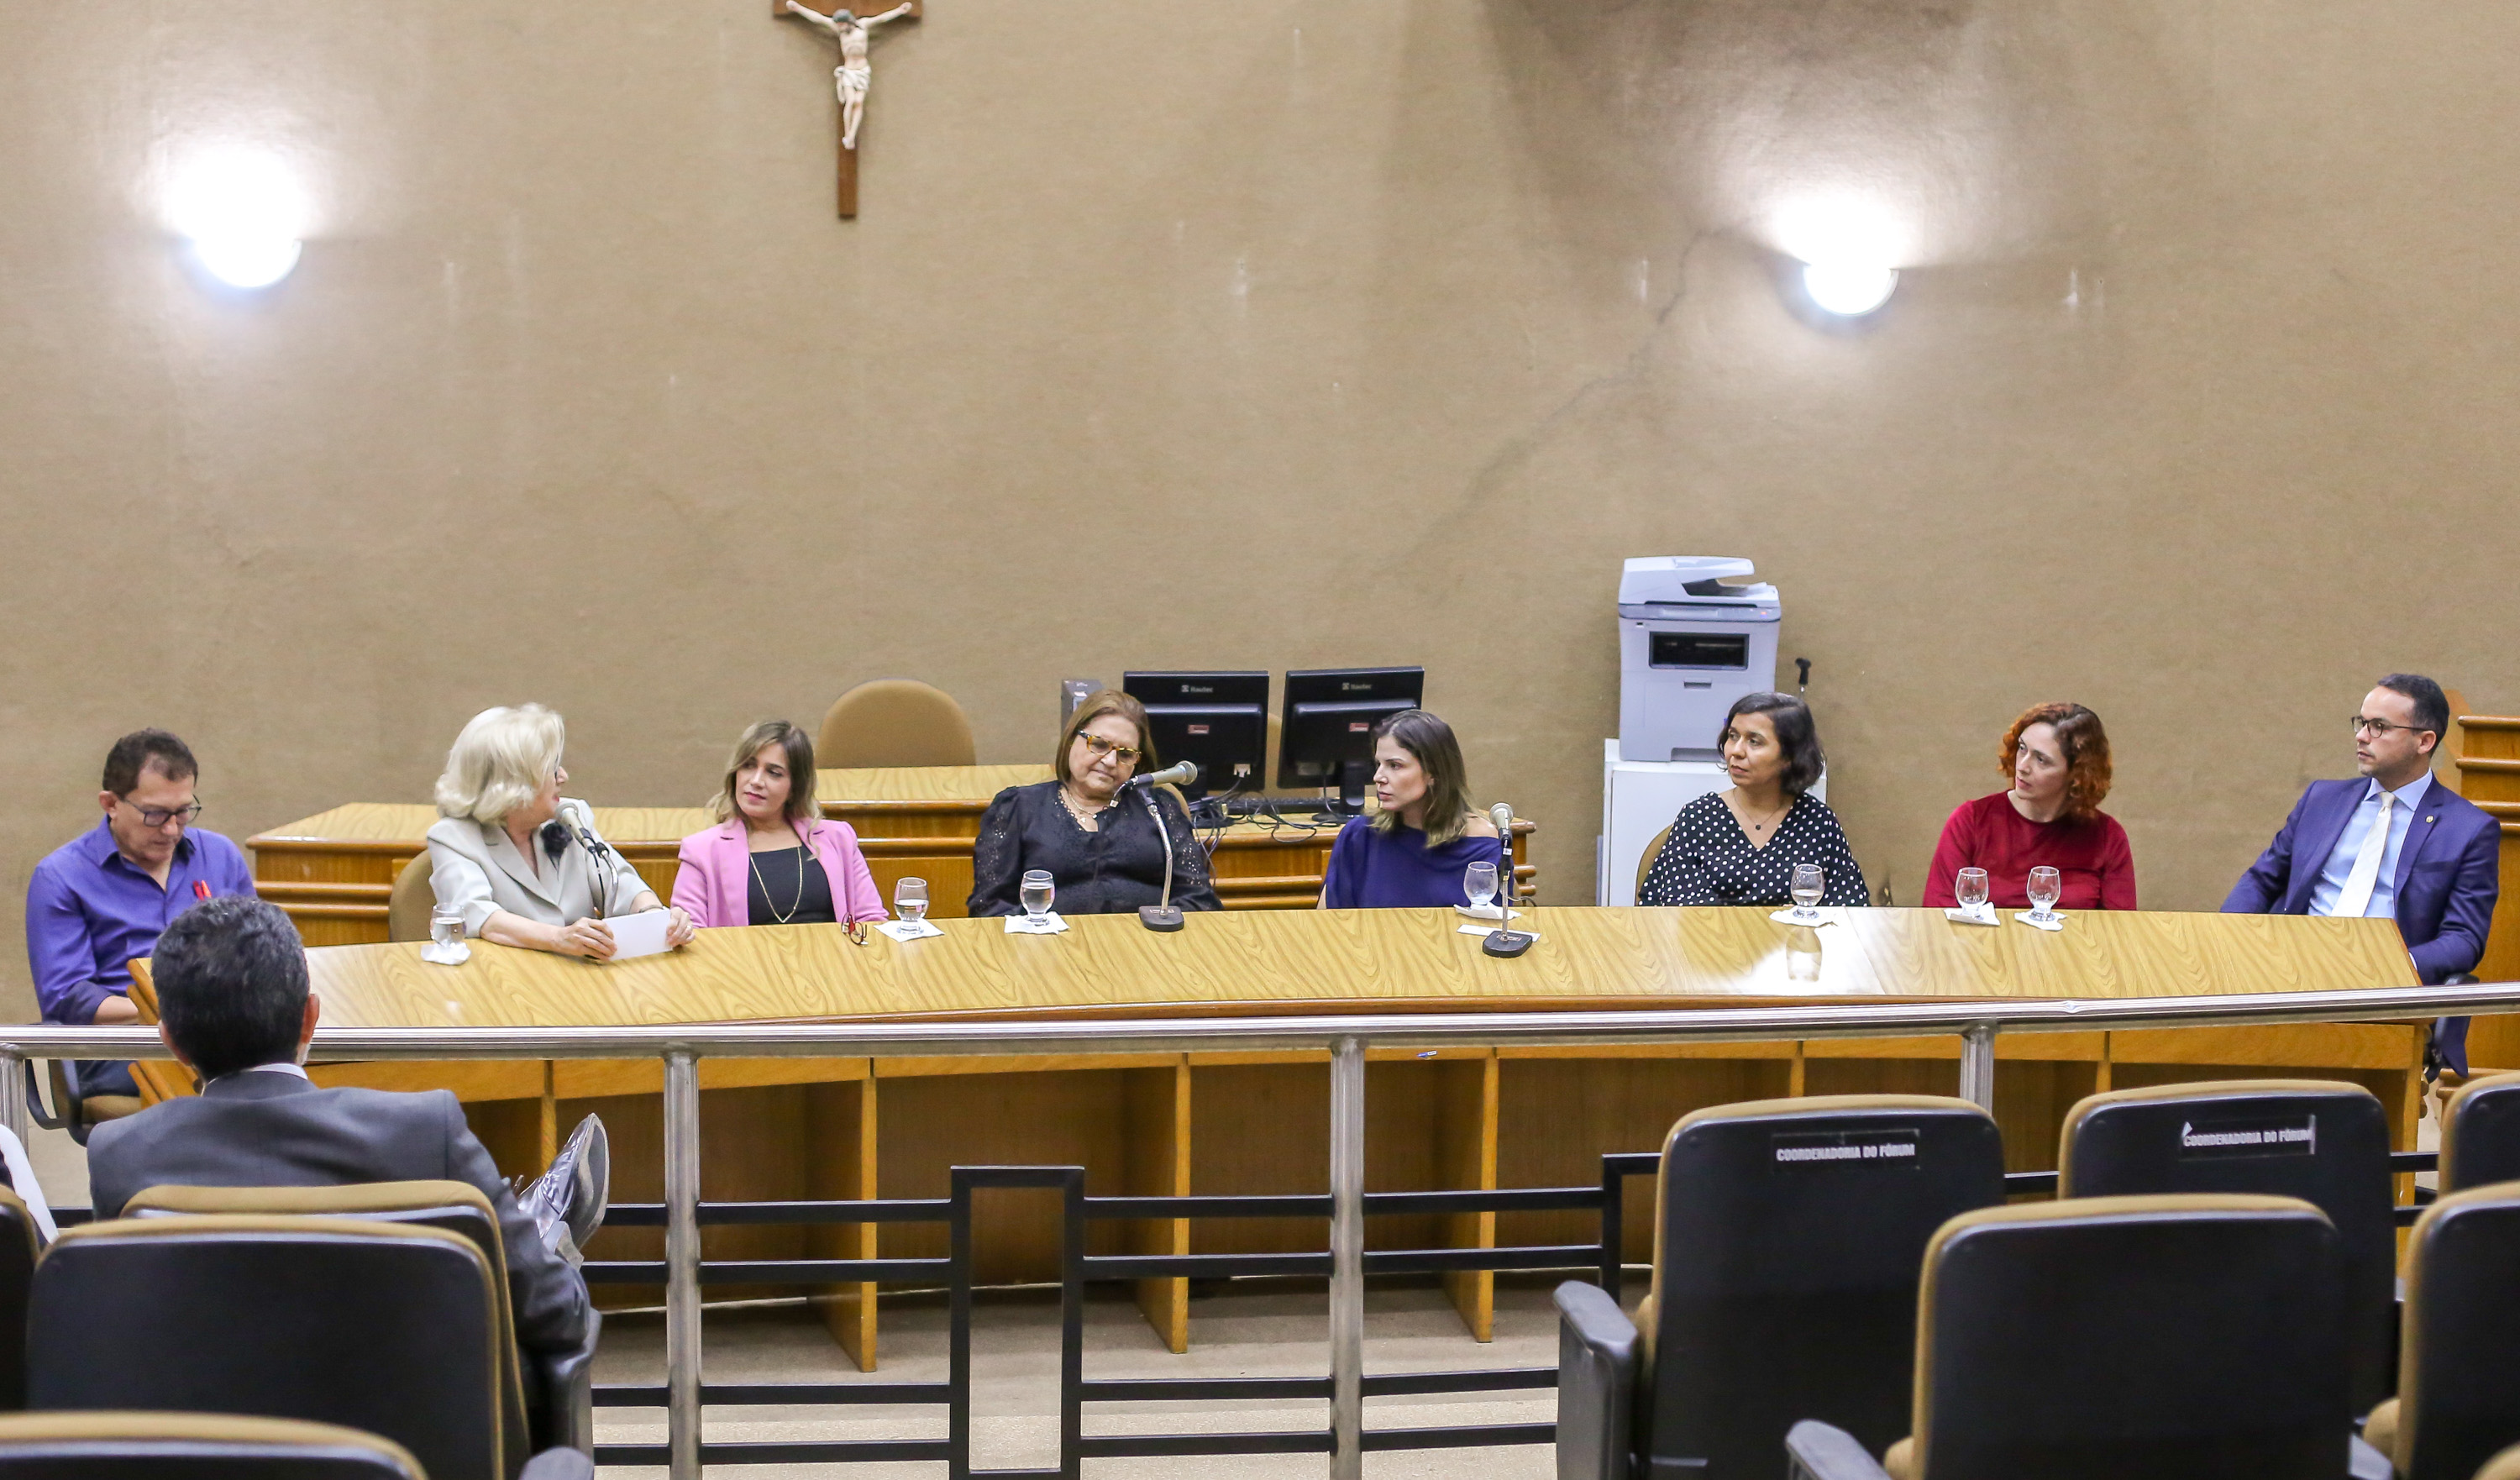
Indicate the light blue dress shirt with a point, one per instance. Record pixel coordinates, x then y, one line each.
2348 844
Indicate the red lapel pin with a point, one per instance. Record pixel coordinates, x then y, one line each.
201 890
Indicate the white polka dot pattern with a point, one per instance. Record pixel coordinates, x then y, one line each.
1708 859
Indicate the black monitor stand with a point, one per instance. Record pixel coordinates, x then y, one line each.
1353 780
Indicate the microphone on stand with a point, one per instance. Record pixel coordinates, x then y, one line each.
1165 917
1504 940
579 824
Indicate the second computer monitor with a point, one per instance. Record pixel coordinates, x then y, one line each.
1326 735
1220 720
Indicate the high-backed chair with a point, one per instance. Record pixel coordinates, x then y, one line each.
2480 1134
2323 1141
2111 1338
129 1445
2502 1466
408 908
894 722
1645 860
544 1401
1787 1238
73 1110
2458 1391
384 1328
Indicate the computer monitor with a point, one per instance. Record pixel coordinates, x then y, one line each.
1326 735
1220 720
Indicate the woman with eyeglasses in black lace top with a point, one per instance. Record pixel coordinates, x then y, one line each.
1099 845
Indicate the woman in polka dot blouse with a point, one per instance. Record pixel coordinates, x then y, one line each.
1740 847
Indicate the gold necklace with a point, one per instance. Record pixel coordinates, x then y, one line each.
754 858
1084 819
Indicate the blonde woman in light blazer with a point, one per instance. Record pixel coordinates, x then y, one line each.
497 856
773 858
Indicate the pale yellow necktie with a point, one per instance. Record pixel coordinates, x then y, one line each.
2355 897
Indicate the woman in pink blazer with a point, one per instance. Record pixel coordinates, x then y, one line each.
773 860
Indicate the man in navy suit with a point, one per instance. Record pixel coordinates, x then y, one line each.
2395 843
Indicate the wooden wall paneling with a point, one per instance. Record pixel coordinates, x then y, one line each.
1159 1111
1558 1115
1466 1159
2487 772
841 1133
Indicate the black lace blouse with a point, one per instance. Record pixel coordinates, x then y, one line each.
1708 859
1108 872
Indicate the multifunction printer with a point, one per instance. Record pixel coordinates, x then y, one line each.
1695 634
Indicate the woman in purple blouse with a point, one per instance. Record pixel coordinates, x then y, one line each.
1412 853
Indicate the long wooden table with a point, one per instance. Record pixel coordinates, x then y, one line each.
334 872
1256 1122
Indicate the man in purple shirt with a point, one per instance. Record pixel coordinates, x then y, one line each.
99 901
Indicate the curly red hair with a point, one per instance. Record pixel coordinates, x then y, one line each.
2087 754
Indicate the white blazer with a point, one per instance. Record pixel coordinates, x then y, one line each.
474 867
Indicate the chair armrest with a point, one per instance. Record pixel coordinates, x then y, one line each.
1596 1380
561 1394
2364 1462
1816 1451
557 1464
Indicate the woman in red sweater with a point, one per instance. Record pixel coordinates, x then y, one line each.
2058 758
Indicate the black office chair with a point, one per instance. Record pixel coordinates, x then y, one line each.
2323 1141
2458 1390
73 1110
1787 1238
377 1327
18 1245
546 1401
2123 1338
128 1445
2480 1134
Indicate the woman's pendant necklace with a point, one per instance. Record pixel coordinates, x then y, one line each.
1084 819
754 858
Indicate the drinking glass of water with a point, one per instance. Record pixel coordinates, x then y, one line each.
2045 884
1809 884
910 900
1971 889
1037 892
1479 881
445 927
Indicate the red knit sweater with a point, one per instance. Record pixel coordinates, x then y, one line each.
2097 865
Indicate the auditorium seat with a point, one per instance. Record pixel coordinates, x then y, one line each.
2480 1134
130 1446
545 1404
2323 1141
894 722
71 1109
2458 1391
408 908
18 1250
2173 1338
2502 1466
378 1327
1787 1238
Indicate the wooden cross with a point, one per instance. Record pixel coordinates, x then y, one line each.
851 32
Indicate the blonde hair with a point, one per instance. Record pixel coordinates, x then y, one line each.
500 760
799 755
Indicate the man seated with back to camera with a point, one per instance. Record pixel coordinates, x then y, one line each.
2391 844
234 1005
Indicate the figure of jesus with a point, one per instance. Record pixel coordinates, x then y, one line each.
855 73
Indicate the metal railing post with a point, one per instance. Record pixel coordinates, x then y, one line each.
12 1096
1977 1065
1347 1260
682 1264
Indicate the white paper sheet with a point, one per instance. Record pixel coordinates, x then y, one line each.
1482 912
2051 923
641 935
902 929
1022 925
1484 931
1984 915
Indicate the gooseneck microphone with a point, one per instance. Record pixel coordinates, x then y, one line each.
579 824
1504 940
1166 916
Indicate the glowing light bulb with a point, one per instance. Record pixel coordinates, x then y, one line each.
1849 289
242 213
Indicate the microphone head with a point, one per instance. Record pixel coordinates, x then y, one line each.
1501 814
1179 773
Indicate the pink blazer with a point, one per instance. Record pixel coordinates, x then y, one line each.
716 875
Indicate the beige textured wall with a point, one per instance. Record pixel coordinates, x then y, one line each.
1275 334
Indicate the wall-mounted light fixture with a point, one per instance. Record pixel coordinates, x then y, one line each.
1846 247
242 212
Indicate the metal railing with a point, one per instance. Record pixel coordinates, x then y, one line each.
1347 1038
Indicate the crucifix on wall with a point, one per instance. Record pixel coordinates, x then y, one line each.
851 78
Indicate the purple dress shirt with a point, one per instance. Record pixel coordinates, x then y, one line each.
89 913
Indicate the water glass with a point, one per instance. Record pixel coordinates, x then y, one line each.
445 926
1479 881
910 900
1809 886
2045 884
1971 889
1037 892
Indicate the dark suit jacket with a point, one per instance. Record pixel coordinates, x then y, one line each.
257 1130
2448 872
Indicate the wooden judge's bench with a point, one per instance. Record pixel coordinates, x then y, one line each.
1238 1123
